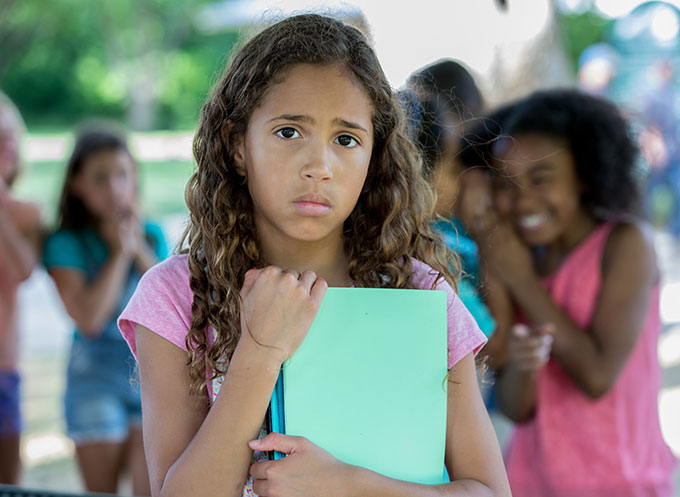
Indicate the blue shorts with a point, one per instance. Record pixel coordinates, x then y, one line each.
10 413
102 400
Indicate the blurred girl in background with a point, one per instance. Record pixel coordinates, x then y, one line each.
576 265
96 257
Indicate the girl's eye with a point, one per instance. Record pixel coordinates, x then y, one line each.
346 141
288 133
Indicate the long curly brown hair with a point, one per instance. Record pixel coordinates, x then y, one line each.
389 225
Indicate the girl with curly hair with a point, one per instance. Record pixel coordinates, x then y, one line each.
571 259
305 179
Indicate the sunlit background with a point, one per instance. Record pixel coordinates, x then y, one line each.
150 63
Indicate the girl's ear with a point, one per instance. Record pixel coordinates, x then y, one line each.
239 155
237 143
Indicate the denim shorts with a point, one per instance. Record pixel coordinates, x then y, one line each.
10 414
102 400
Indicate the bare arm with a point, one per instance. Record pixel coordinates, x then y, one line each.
473 458
189 451
594 357
208 454
19 229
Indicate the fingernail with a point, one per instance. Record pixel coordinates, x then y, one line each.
255 443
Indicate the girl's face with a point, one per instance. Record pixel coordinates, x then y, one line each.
306 154
107 184
539 192
445 179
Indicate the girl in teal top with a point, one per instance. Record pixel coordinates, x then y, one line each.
96 258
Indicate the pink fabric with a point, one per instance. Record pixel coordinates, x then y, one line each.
579 447
162 303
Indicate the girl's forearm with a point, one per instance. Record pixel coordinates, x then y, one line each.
17 253
216 461
366 483
576 349
516 393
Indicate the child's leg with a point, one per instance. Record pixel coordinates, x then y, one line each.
100 464
10 427
9 460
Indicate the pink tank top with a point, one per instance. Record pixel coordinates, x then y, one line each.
575 446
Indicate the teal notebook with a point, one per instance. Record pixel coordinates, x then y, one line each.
368 382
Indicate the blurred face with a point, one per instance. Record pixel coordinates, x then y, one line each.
306 154
539 191
107 184
9 147
445 180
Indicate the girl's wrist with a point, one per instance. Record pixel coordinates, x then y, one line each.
268 357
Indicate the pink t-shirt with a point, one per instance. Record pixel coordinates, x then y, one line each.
162 303
575 446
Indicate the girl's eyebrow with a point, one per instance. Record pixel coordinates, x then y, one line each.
309 119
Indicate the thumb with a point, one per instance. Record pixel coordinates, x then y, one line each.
278 442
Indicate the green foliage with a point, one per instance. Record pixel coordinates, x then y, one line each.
582 30
68 60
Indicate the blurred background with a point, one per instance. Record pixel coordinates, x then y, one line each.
149 64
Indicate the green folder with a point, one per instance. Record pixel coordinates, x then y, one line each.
368 383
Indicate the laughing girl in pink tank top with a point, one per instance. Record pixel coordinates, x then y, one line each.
568 258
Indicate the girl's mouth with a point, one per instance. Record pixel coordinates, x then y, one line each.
533 221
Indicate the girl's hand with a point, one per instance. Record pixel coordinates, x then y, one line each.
307 471
505 255
279 307
122 234
528 350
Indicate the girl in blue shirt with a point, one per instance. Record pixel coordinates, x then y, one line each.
96 258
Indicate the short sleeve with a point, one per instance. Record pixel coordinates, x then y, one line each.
63 249
464 336
161 303
159 245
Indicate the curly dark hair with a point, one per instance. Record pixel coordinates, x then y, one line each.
599 139
389 224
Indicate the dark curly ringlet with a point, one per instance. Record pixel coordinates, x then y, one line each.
599 139
389 224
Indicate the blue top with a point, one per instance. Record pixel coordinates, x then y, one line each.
457 239
86 251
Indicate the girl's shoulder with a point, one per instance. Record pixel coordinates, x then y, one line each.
161 303
631 241
172 272
424 277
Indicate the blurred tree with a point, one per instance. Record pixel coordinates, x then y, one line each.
142 61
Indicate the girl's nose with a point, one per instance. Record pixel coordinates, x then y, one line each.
318 165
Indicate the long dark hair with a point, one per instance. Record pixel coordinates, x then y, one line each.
90 140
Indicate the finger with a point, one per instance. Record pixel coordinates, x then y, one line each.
261 488
249 280
293 271
545 329
278 442
318 290
307 279
259 470
520 330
